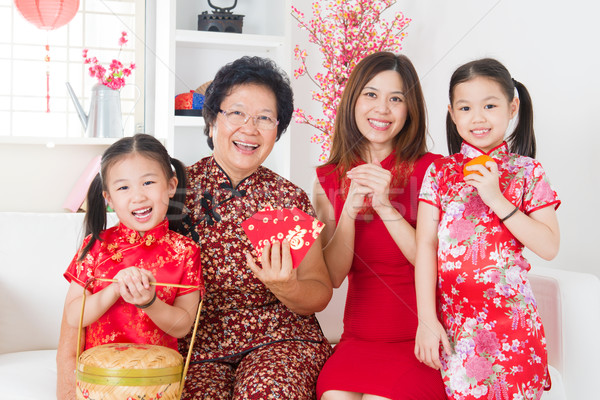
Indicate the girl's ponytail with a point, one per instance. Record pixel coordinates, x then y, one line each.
453 139
522 140
175 210
95 216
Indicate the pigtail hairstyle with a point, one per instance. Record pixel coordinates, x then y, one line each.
453 139
146 146
175 210
522 140
95 216
348 145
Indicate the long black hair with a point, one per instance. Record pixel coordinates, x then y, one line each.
144 145
522 140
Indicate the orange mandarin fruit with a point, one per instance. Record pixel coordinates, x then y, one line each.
482 159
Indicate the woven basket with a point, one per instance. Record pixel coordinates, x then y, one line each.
137 371
120 371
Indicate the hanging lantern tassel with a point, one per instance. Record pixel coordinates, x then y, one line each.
47 59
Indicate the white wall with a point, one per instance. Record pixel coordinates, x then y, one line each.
550 46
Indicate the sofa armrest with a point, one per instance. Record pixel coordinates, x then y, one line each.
574 353
28 375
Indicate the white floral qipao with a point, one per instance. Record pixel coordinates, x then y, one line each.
486 302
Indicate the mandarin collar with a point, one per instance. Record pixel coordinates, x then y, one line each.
469 151
220 173
132 236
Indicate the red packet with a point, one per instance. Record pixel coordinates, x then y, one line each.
299 228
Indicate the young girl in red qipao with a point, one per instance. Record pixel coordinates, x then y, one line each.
138 181
471 231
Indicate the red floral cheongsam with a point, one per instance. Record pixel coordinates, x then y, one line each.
486 302
169 256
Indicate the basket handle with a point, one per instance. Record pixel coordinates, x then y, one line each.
189 355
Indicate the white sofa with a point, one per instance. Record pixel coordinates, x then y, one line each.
35 249
569 304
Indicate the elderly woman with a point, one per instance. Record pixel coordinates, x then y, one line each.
258 337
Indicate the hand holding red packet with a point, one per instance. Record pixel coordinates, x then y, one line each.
299 228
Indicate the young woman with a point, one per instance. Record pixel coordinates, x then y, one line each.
367 196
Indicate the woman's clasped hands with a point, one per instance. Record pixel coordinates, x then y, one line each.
368 182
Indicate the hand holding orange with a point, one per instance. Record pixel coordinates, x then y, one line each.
482 159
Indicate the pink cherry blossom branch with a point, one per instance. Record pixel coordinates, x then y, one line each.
344 31
115 76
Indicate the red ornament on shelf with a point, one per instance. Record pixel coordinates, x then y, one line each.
48 14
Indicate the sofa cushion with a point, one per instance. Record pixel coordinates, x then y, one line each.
35 250
557 391
28 375
331 318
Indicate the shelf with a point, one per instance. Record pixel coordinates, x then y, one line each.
222 41
54 141
186 58
189 121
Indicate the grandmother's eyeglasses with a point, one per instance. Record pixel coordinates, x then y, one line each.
240 118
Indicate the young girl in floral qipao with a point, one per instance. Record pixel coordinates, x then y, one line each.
138 181
477 225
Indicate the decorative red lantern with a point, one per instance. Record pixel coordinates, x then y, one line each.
48 14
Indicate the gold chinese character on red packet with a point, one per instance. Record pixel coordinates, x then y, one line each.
269 225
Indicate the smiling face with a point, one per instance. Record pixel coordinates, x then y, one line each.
482 112
381 111
240 150
139 192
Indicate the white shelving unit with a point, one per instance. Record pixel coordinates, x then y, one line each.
187 58
53 141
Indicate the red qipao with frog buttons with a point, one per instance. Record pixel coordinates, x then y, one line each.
169 256
376 352
486 302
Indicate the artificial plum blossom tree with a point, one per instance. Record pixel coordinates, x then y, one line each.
345 31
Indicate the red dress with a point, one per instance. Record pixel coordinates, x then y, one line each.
171 257
376 351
